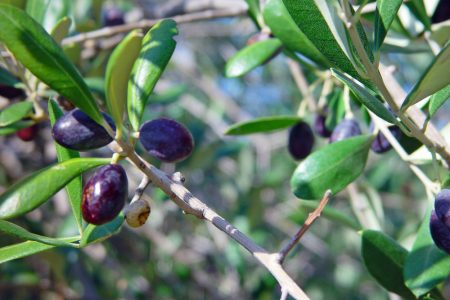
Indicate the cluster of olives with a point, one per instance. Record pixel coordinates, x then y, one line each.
301 138
440 220
105 193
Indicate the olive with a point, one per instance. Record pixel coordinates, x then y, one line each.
347 128
301 140
166 139
77 131
104 194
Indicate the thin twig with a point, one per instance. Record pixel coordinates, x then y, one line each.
197 16
140 189
312 217
192 205
302 84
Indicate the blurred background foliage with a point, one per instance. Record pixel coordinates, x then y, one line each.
246 179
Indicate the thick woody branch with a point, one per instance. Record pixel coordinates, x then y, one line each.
192 205
312 217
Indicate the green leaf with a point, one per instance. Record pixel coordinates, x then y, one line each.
332 214
433 79
18 3
332 167
15 112
7 78
15 230
61 29
48 12
426 266
384 15
438 99
363 94
320 22
95 234
20 250
74 187
418 9
384 259
261 125
10 129
254 11
118 72
23 197
336 109
251 57
284 28
157 48
39 53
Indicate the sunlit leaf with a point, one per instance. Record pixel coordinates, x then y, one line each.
385 14
26 195
284 28
261 125
251 57
365 97
157 48
12 128
118 73
61 29
39 53
331 167
95 234
438 99
15 112
433 79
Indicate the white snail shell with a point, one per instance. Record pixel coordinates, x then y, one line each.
136 213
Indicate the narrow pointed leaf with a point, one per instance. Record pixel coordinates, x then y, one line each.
157 48
261 125
20 250
332 167
48 12
417 7
320 22
254 10
22 196
17 231
384 259
426 266
15 112
365 97
39 53
61 29
284 28
251 57
118 73
384 16
438 99
12 128
435 78
74 187
95 234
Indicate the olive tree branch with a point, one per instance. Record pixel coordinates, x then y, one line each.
192 205
312 217
186 18
429 136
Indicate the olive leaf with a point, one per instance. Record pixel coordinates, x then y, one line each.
261 125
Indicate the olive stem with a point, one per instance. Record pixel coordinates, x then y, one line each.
140 189
312 217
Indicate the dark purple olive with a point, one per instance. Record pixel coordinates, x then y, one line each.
166 140
320 126
10 92
442 206
301 140
27 134
112 16
347 128
76 130
104 194
440 233
380 144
